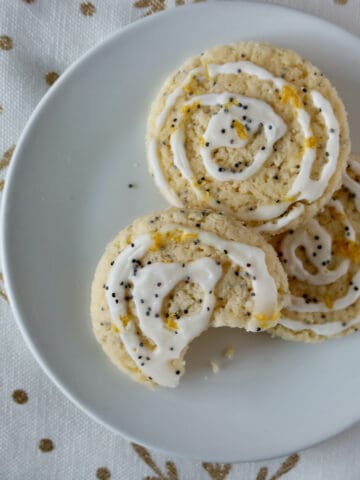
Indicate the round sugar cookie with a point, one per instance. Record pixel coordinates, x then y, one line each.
168 277
322 260
252 130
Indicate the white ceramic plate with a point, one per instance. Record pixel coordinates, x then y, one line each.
67 196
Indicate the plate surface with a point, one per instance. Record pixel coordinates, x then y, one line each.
67 195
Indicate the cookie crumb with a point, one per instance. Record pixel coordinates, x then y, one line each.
214 366
228 352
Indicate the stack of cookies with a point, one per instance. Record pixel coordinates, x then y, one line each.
250 145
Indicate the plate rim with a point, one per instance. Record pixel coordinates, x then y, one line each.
9 282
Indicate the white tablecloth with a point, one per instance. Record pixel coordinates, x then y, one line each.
43 435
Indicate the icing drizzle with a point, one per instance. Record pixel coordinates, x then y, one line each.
310 189
226 120
230 128
318 247
167 337
159 177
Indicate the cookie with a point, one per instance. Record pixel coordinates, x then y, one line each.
322 261
168 277
252 130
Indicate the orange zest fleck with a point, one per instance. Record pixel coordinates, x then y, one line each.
115 328
336 215
240 129
188 89
291 199
158 241
311 142
171 324
197 183
190 86
266 320
328 301
148 344
348 249
125 319
229 103
177 236
289 94
188 108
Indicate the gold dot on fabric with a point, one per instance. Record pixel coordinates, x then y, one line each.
341 2
87 9
103 473
154 5
6 42
20 396
46 445
51 78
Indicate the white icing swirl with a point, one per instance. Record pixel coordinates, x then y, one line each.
220 133
159 177
299 304
324 329
173 96
282 221
318 246
150 284
309 189
245 67
159 279
264 212
153 146
250 114
252 260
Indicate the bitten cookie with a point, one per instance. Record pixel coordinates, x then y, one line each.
252 130
168 277
322 261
